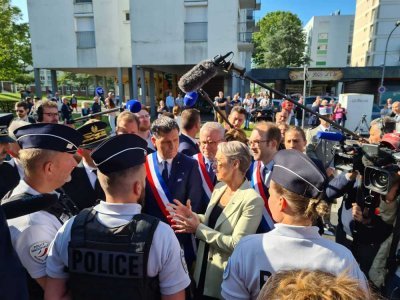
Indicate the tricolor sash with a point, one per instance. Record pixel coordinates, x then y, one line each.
157 183
208 186
267 223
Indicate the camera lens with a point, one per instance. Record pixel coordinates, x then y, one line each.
379 179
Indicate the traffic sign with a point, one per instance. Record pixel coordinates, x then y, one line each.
99 91
381 89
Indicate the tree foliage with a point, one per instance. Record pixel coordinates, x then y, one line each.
15 48
280 41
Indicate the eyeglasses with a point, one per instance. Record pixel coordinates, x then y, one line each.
19 110
256 142
209 143
144 117
51 114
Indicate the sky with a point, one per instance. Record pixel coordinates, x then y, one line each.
305 9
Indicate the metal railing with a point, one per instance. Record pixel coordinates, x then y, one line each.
245 37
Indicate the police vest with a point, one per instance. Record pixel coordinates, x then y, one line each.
111 263
62 210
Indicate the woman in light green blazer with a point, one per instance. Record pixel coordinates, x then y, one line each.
235 210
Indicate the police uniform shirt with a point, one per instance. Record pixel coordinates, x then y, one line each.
165 258
32 234
286 247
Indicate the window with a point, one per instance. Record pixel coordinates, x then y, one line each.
322 49
322 37
196 32
127 16
321 63
85 40
83 1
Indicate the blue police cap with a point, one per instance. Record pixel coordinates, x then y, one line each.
120 152
296 172
5 120
55 137
94 133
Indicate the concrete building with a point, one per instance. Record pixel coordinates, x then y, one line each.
329 40
144 44
374 20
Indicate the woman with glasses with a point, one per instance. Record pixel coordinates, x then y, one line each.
234 211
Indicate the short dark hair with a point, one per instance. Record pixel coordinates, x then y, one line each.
270 131
189 118
239 110
22 104
163 125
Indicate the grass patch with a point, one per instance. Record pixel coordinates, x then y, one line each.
10 96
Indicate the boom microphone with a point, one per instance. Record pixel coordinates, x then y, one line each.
23 204
330 136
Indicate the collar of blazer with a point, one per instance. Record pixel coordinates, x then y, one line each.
232 205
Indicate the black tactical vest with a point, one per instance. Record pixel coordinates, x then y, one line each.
63 209
111 263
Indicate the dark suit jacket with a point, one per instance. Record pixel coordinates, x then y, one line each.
187 147
9 178
80 190
184 183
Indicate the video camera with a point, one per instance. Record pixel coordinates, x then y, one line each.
262 114
378 163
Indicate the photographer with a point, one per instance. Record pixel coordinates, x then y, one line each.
366 217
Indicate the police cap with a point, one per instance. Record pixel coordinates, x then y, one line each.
295 172
120 152
5 120
94 133
55 137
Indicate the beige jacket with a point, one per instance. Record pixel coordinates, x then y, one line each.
240 217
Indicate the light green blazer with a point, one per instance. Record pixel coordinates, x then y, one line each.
240 217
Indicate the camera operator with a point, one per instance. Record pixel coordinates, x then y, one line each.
366 217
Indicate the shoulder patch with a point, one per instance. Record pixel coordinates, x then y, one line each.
39 251
227 269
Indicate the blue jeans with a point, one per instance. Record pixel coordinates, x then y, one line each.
247 121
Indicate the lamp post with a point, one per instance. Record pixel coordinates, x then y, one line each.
382 88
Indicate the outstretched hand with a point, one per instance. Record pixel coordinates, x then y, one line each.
183 218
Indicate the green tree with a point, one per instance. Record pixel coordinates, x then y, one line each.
280 41
15 49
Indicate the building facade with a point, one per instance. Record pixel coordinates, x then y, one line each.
329 40
146 45
374 20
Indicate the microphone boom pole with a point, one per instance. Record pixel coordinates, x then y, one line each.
121 109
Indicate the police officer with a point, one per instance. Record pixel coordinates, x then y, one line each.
13 281
47 157
112 250
296 184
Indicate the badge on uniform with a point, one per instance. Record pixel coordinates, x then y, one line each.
38 251
227 269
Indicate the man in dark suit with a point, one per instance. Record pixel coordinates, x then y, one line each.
84 188
190 123
172 175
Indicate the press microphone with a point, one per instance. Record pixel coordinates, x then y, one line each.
330 136
201 73
190 99
24 204
133 106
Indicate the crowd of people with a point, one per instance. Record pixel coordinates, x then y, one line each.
180 209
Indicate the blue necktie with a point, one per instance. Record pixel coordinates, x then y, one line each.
210 171
165 171
264 174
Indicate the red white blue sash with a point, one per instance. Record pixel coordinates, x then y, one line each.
157 183
267 223
208 186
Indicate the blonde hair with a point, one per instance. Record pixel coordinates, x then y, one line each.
235 150
313 285
31 159
302 207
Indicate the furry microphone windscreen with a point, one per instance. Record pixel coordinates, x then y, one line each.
198 76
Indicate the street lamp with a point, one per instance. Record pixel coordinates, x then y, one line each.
382 88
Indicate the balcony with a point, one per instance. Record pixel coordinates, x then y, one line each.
245 41
253 4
